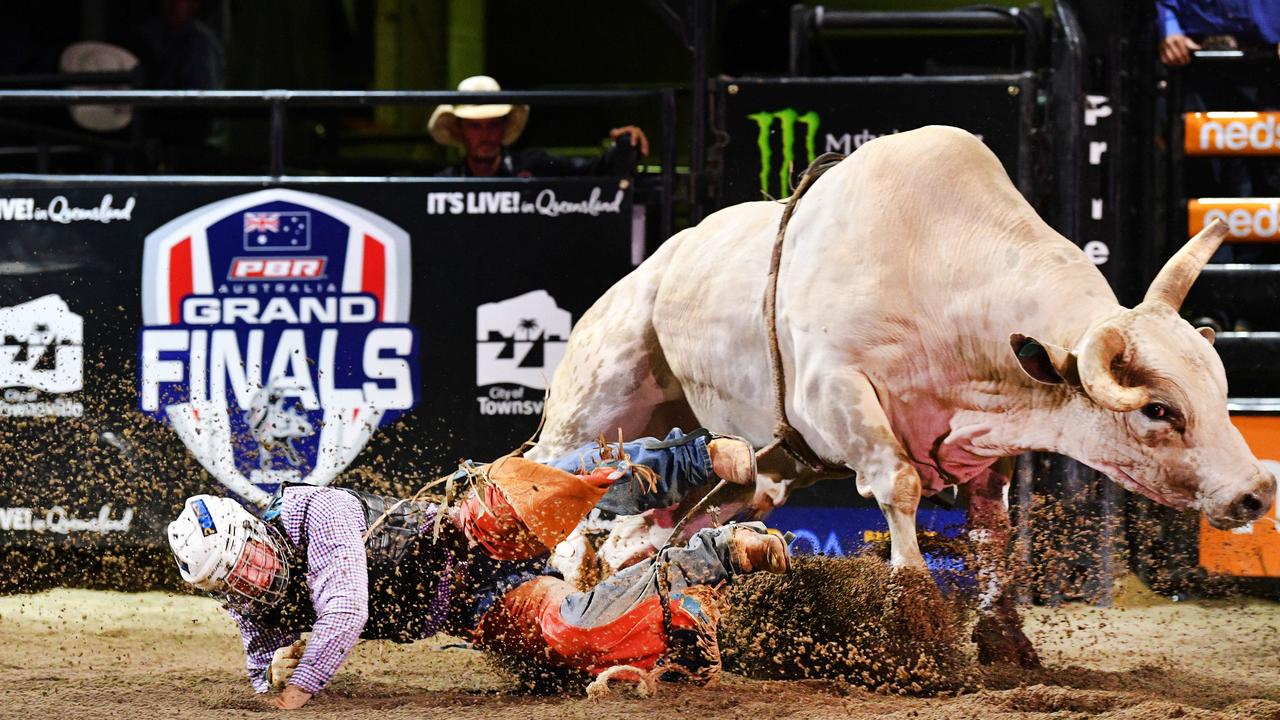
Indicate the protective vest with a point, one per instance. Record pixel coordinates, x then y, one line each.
410 574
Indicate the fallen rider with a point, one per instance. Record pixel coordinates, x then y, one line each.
347 565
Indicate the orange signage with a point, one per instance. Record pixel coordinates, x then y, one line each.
1253 550
1231 133
1247 219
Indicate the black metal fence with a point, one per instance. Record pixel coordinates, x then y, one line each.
277 104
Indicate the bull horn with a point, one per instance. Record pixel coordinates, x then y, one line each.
1094 361
1171 285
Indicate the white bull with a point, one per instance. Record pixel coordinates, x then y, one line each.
929 323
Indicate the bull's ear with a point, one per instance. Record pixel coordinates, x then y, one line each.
1044 362
1207 333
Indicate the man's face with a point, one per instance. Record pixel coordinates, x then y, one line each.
255 570
179 13
482 139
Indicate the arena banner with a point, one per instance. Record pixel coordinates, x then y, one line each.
1252 550
275 336
775 127
834 531
1231 133
161 339
1247 219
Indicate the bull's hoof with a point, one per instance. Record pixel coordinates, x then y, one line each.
1003 643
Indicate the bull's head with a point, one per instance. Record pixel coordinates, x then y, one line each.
1151 411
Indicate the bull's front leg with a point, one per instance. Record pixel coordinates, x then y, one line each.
896 489
856 431
998 632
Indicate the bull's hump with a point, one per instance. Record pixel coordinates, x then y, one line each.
934 163
929 142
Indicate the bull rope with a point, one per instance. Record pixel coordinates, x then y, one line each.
475 477
785 435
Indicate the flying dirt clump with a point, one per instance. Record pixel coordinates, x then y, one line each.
852 619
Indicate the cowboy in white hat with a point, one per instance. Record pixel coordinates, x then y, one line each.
485 131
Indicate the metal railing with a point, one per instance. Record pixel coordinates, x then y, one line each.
1175 91
277 103
809 22
1252 358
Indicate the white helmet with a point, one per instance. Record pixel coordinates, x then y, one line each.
222 548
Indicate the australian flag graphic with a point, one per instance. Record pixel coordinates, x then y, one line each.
272 231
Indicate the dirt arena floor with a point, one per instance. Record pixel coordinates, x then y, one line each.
100 655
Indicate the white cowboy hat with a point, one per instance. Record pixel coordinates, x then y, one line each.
443 125
91 57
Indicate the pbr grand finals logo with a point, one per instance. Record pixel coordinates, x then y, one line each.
519 343
275 335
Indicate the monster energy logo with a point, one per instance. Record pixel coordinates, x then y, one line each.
787 119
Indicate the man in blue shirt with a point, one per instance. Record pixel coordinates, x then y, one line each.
1247 22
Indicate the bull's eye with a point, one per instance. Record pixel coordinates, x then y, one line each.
1157 411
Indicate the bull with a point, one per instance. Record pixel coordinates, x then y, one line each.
929 323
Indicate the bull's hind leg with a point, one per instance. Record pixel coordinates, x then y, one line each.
613 379
614 375
843 409
999 629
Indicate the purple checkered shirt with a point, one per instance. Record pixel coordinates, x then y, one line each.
337 571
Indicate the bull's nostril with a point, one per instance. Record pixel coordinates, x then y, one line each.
1249 504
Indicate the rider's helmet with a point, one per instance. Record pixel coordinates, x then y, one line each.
222 548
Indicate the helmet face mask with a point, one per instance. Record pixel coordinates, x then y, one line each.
223 549
260 574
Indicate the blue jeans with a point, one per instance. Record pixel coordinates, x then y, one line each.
681 462
703 561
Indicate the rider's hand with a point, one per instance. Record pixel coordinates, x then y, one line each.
292 698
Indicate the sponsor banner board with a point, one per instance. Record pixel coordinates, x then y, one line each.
845 531
160 339
775 127
1231 133
1247 219
1252 550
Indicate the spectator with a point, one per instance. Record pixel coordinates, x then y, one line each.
1222 24
485 132
179 52
1186 26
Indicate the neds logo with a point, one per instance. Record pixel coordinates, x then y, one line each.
1251 219
1232 133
